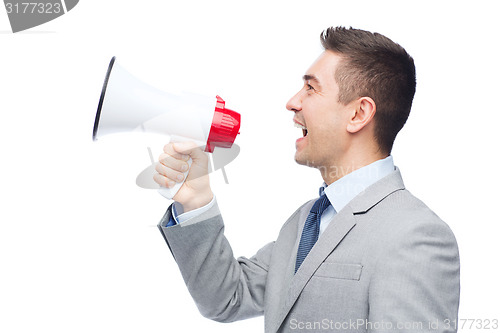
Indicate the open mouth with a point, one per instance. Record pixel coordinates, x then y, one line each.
299 125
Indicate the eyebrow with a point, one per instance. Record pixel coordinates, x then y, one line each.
310 77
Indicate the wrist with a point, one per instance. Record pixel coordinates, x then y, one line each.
198 201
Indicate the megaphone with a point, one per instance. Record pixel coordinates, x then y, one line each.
128 104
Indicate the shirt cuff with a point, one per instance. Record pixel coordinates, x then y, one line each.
189 215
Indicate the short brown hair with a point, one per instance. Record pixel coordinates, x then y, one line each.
376 67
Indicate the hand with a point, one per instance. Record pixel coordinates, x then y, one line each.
195 192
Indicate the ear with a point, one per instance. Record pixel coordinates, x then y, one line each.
361 116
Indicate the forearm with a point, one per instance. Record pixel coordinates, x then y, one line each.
224 288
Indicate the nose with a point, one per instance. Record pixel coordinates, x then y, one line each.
295 103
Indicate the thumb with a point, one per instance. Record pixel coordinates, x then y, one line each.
192 149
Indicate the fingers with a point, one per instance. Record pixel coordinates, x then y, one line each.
170 172
171 167
189 149
163 181
173 163
169 149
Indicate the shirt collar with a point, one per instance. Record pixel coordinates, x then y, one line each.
342 191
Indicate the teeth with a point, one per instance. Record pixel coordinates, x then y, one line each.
299 126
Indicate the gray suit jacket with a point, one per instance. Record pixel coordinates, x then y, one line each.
386 262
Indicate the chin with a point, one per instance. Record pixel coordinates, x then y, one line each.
303 160
300 161
310 161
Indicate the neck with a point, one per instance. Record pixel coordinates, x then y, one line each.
347 164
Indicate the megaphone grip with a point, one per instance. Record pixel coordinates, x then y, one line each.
169 193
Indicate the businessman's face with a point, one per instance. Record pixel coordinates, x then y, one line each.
321 116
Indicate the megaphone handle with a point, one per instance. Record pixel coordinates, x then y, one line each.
169 193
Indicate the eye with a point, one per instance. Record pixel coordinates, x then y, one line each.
309 87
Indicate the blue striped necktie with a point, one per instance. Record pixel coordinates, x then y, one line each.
310 232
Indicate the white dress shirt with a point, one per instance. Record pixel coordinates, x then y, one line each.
339 193
343 190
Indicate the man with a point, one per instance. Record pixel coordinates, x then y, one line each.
366 255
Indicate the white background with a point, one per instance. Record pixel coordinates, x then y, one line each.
79 250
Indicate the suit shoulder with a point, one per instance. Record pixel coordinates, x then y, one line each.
404 212
409 228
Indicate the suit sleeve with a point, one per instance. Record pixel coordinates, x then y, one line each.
416 284
224 288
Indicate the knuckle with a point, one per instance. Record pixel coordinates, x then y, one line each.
183 167
167 148
159 179
179 165
179 176
163 181
162 158
159 168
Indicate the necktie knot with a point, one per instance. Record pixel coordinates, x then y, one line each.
320 205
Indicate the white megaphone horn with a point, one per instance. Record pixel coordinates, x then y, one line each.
128 104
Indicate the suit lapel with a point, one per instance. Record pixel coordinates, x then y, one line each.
275 315
339 227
